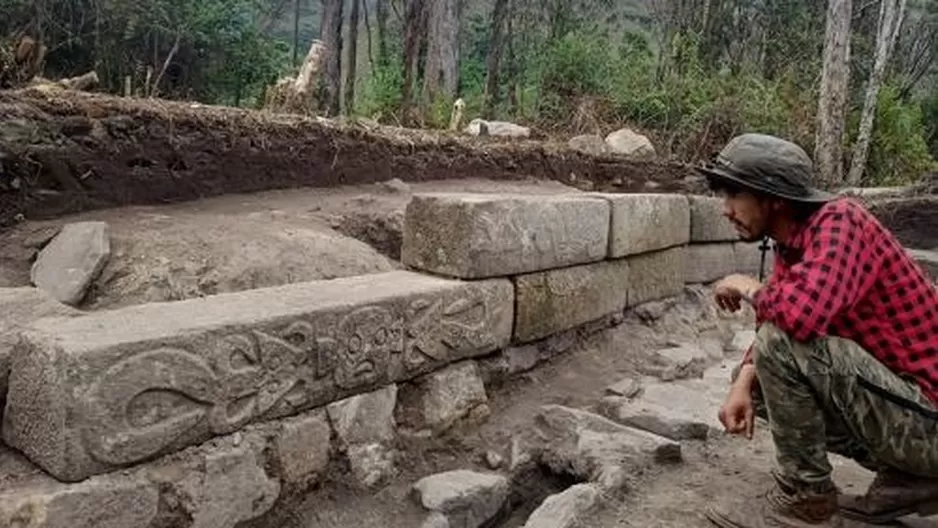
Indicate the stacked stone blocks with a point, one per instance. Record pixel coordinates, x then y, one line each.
95 395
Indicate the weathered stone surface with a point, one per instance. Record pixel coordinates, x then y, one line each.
67 266
682 362
565 509
224 487
646 222
451 394
597 449
707 223
625 141
302 448
481 127
365 418
481 235
704 263
95 503
436 520
522 358
590 144
742 340
928 260
109 389
629 388
552 301
749 258
679 410
20 307
372 464
656 275
468 499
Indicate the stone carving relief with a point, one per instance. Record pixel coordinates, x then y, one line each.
148 400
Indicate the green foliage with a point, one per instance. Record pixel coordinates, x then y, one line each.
898 148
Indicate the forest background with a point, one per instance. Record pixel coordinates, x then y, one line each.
855 82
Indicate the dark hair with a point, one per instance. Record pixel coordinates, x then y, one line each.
800 211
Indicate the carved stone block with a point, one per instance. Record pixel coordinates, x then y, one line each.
705 263
557 300
656 275
707 223
646 222
111 389
485 235
749 258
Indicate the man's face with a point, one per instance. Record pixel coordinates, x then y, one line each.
749 215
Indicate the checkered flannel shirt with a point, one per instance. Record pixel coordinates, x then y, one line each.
843 274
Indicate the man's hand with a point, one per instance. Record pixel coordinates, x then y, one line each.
737 413
732 290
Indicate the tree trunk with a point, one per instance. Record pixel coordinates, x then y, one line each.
890 20
442 69
331 36
414 31
832 101
493 61
351 68
381 15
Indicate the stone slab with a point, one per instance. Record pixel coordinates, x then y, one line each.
707 223
476 236
656 275
365 418
20 307
467 499
567 509
749 258
705 263
646 222
552 301
67 266
110 389
680 362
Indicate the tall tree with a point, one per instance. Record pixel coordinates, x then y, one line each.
381 14
832 100
351 68
891 14
331 35
415 23
494 59
441 75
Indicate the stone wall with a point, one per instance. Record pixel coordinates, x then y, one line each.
221 405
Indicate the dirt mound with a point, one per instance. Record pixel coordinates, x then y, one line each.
66 152
912 220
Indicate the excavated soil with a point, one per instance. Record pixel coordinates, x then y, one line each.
64 152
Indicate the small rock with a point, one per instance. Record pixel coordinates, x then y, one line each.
467 498
480 127
522 359
589 144
493 459
372 464
742 340
436 520
566 509
302 448
628 388
70 263
625 141
687 361
451 394
365 418
396 185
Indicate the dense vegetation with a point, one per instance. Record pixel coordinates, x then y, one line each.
688 73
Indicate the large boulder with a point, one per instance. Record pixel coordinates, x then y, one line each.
625 141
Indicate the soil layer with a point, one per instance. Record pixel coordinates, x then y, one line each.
65 152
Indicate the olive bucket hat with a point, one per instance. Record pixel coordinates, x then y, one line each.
769 165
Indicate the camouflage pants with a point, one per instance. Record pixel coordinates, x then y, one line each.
830 395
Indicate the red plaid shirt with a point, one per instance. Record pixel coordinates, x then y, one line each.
843 274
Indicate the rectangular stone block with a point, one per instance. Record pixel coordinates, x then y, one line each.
110 389
707 223
705 263
646 222
552 301
749 258
474 236
656 275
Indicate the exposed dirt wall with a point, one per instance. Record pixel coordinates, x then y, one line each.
64 152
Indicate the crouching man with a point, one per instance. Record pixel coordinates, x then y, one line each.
846 354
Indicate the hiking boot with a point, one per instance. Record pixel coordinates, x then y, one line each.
892 495
782 506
